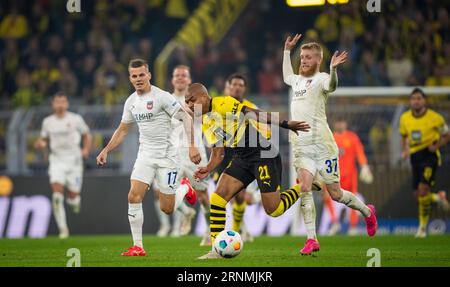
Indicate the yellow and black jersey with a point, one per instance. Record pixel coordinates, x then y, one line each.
422 131
225 124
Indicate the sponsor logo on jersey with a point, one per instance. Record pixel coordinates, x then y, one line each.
149 105
416 136
143 117
300 94
308 83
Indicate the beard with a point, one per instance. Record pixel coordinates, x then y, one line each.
308 72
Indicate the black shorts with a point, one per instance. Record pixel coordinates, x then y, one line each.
266 171
424 164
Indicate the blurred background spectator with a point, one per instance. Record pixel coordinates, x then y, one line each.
86 53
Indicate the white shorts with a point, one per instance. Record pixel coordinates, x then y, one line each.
162 171
187 169
71 176
322 158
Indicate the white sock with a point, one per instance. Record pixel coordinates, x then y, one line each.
206 213
308 210
176 227
136 218
59 211
179 195
164 218
74 202
353 202
183 208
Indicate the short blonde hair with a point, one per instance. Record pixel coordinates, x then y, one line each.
313 46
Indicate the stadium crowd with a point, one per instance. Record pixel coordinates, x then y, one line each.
86 53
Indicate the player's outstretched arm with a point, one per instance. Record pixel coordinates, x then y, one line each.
287 65
117 138
188 125
268 118
214 161
336 60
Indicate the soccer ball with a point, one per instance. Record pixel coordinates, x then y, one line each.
228 244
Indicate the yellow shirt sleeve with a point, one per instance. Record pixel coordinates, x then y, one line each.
441 125
228 105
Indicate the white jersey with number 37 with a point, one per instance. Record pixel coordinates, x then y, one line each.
308 104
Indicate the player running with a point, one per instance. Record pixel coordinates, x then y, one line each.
316 151
351 150
237 86
152 109
423 132
62 132
181 79
227 122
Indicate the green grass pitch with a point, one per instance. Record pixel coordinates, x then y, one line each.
263 252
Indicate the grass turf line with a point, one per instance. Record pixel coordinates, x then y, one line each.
264 252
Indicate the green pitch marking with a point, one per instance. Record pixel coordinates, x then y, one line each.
264 251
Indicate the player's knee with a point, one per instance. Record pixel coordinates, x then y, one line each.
270 210
305 187
167 209
134 197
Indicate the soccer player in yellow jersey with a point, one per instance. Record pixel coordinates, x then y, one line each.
423 132
228 123
237 86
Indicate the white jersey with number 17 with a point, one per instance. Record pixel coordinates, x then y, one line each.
152 112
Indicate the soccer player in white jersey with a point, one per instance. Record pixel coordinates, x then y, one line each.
181 79
62 132
152 109
316 150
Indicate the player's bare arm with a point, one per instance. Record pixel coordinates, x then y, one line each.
214 161
268 118
117 138
87 144
336 60
287 66
188 124
405 147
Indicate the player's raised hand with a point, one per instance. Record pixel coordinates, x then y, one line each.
291 42
101 158
194 155
296 126
201 173
338 59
